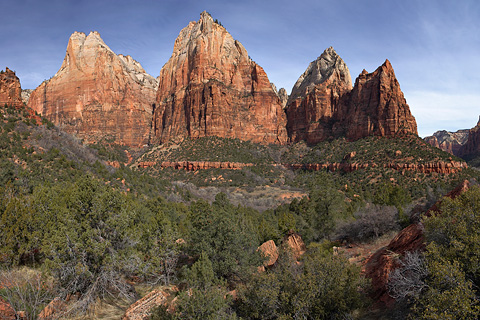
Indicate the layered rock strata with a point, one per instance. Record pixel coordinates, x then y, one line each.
97 94
211 87
442 167
195 165
323 105
447 141
10 89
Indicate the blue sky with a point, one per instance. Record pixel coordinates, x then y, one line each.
434 46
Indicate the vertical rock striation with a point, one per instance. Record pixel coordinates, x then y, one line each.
313 105
97 94
450 142
10 89
376 106
323 104
472 147
211 87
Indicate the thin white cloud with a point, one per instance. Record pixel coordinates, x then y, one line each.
443 111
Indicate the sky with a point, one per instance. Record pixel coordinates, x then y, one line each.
433 45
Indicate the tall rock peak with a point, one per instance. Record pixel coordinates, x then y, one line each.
210 87
327 65
97 94
314 102
377 106
324 105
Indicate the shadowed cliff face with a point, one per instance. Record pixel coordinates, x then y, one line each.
323 104
472 146
97 94
211 87
10 89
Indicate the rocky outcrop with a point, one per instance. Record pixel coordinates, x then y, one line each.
195 165
450 142
323 104
379 266
313 105
283 96
442 167
97 94
293 243
10 89
26 95
270 252
141 310
6 311
211 87
54 310
472 146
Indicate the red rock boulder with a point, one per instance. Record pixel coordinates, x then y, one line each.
270 251
141 310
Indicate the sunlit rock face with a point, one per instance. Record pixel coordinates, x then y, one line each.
211 87
98 95
10 89
323 105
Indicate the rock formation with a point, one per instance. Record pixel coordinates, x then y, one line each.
450 142
472 146
323 104
10 89
26 95
442 167
195 165
376 106
282 94
97 94
211 87
141 310
315 99
293 242
270 251
54 310
379 266
6 311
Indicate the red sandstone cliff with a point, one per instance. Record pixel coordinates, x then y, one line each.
472 146
315 99
376 106
10 89
210 87
323 105
97 94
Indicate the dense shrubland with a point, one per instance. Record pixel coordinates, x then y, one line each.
92 232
